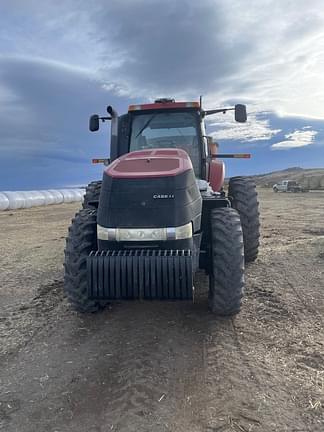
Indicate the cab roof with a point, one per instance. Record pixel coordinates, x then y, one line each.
163 104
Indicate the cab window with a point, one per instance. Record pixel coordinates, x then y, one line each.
167 130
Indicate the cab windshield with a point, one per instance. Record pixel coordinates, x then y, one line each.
171 130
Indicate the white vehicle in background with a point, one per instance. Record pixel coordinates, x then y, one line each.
288 186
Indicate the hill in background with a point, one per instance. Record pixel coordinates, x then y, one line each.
309 178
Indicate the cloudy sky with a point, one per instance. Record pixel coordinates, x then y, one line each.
61 61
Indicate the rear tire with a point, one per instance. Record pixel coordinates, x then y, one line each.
92 194
226 279
242 191
82 239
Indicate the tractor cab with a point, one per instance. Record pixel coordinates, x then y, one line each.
169 124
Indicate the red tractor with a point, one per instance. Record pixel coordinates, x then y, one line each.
160 213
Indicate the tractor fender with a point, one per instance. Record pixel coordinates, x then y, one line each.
216 174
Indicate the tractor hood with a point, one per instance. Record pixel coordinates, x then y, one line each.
149 189
150 164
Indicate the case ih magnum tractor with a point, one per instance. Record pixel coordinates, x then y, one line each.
160 214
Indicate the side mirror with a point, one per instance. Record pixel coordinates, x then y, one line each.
240 113
94 123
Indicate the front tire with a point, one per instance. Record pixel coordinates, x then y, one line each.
226 279
242 191
81 240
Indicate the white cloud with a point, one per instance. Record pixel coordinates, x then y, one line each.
296 139
255 129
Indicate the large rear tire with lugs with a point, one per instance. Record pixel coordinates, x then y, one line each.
81 240
92 194
244 197
226 278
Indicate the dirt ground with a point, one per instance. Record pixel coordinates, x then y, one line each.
165 366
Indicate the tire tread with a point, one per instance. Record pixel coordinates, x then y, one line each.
81 240
244 196
226 281
92 194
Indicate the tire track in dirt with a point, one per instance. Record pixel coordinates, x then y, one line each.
151 376
227 370
244 392
19 323
138 384
161 387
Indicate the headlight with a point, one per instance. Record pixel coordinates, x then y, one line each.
144 234
184 231
141 234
